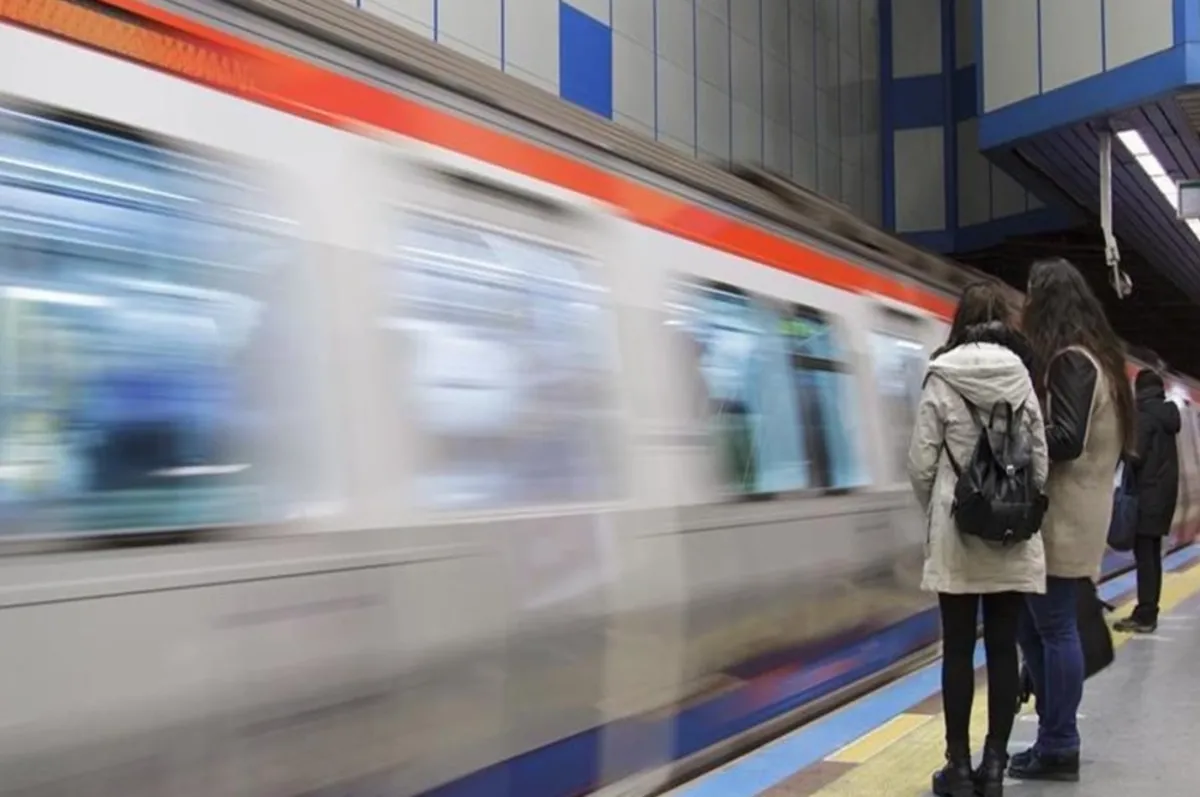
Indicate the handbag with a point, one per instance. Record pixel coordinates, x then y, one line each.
1095 637
1122 529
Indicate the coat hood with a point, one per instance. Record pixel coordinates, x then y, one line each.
994 332
1153 408
984 373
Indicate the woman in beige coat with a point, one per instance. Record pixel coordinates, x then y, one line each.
981 363
1090 420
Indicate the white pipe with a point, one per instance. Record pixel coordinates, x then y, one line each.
1112 254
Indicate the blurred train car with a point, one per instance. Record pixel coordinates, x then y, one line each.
351 447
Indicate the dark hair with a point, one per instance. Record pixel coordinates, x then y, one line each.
1061 311
981 303
984 316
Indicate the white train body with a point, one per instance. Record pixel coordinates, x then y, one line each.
488 512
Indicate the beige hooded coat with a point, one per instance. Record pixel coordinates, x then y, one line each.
984 374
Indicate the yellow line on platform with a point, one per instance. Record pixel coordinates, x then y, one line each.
866 747
903 766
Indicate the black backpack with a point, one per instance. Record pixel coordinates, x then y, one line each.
996 498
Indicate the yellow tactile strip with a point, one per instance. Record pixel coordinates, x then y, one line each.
866 747
901 766
899 760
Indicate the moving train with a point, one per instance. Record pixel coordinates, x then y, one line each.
354 446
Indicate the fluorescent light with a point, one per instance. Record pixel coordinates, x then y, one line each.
1168 188
1150 165
1136 145
21 293
167 288
200 470
1133 141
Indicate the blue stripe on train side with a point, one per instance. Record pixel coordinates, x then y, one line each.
776 685
571 766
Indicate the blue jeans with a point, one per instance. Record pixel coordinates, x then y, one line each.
1049 640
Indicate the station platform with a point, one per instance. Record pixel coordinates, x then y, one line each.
1140 722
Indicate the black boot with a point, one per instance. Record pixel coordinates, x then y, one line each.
954 780
989 778
1059 767
1135 625
1021 759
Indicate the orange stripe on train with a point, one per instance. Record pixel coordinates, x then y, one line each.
174 44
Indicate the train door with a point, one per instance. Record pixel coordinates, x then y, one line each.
498 431
498 290
898 345
1187 514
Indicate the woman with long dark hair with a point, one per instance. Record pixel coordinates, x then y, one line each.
982 366
1090 421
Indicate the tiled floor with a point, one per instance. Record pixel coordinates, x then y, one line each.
1141 718
1140 721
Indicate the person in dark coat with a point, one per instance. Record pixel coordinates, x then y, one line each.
1157 475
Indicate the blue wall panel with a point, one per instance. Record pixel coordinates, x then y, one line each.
918 102
949 127
1187 21
1133 84
585 48
966 93
945 100
887 114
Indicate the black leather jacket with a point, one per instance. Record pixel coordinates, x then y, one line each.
1070 386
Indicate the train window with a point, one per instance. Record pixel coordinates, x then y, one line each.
823 393
899 372
749 389
138 340
1189 456
1195 435
511 368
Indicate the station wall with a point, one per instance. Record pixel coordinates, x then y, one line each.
791 84
1050 65
940 190
1031 47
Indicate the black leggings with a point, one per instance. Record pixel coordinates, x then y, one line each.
1148 553
960 615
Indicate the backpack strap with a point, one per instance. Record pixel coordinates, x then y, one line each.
971 408
1011 417
952 460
